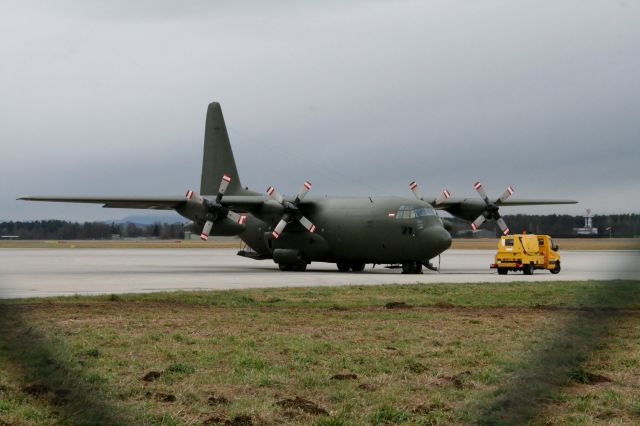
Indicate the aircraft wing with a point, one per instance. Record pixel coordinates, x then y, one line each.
473 202
154 203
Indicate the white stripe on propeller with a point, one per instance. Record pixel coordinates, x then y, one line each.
206 230
224 183
413 186
443 196
503 226
279 228
478 222
478 187
271 192
307 224
305 188
506 194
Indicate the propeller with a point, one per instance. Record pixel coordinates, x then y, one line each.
215 210
291 210
491 210
443 195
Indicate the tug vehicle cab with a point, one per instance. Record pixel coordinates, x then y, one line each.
526 253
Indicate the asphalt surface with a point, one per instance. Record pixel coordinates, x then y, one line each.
54 272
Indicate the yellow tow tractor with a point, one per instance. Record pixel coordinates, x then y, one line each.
526 252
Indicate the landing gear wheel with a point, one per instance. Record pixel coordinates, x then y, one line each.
411 268
502 271
556 269
357 267
300 267
284 266
343 266
527 269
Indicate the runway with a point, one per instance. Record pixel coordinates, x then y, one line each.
59 272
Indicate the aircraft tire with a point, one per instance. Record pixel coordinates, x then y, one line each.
284 266
343 266
556 269
411 267
357 267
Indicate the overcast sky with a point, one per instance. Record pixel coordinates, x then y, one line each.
360 98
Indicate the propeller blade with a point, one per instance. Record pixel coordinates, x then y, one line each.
305 188
204 235
503 226
506 194
307 224
193 196
279 227
414 187
478 222
478 187
271 192
224 184
240 219
445 194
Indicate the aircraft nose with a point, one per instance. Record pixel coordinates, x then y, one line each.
436 239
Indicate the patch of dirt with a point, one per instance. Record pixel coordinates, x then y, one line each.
368 387
586 378
217 400
239 420
444 305
151 376
397 305
36 389
60 397
347 376
391 348
165 397
304 405
458 380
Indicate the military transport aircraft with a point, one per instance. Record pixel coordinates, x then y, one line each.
295 231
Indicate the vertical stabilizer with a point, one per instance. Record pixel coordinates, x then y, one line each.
218 157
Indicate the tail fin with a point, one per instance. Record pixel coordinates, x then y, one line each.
218 157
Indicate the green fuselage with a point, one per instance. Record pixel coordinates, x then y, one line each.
370 230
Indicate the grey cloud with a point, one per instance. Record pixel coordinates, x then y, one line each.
110 97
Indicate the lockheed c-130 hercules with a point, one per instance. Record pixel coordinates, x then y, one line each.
295 231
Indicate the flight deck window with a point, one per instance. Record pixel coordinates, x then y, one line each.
425 211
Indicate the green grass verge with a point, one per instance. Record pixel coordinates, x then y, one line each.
556 352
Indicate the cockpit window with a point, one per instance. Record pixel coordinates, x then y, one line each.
425 211
408 212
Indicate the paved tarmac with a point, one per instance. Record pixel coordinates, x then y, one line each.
54 272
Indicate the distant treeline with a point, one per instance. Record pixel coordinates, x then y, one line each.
63 230
622 225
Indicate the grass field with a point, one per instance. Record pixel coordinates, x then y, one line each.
540 353
480 243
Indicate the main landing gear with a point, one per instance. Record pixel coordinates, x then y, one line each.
412 267
295 267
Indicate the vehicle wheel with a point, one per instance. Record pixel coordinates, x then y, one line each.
357 267
407 267
418 268
527 269
502 271
343 266
284 266
556 269
300 267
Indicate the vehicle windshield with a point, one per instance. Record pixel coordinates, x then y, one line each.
508 242
408 212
